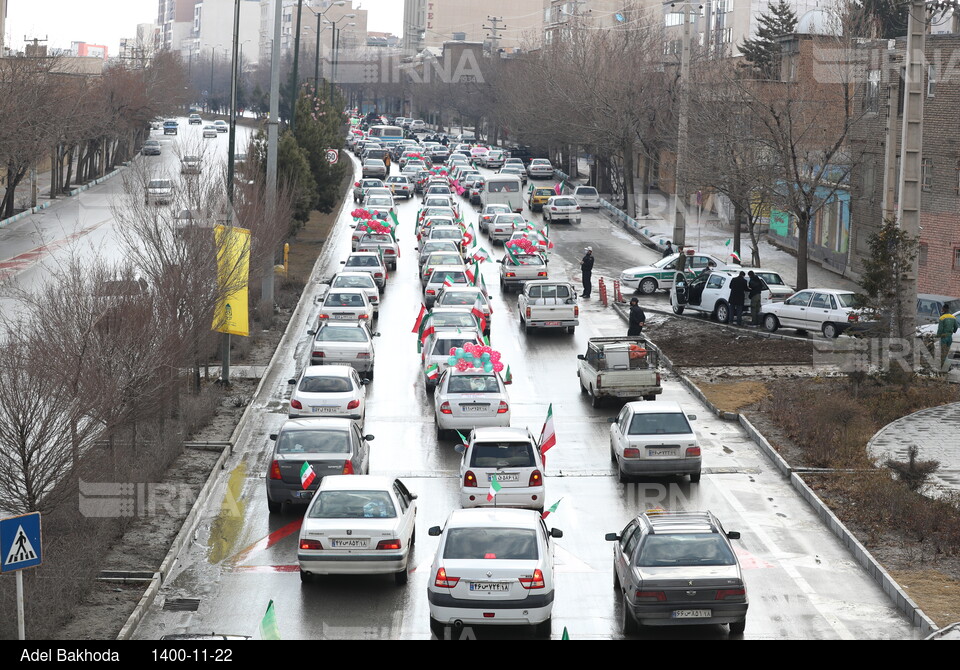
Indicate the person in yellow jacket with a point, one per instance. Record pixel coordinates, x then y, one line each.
946 328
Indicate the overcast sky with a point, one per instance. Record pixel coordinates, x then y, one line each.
106 21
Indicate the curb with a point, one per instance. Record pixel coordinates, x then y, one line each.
193 517
876 571
73 192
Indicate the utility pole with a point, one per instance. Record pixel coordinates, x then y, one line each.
294 87
494 37
680 186
273 136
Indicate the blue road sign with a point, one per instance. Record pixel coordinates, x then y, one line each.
20 542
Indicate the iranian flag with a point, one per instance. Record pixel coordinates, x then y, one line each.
481 255
477 311
268 624
447 282
307 475
548 436
551 510
472 278
427 332
416 326
433 371
558 189
512 254
508 378
393 215
494 488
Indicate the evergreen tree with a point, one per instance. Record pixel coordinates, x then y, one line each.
763 51
884 19
293 170
319 127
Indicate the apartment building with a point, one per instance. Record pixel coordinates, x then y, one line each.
351 36
430 23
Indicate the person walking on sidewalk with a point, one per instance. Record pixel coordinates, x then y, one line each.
586 268
756 287
738 293
637 318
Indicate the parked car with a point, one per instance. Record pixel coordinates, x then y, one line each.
512 455
517 270
931 307
678 568
709 293
619 367
492 567
654 439
830 311
468 399
548 304
328 390
661 274
159 192
150 148
360 524
344 343
779 289
561 208
330 447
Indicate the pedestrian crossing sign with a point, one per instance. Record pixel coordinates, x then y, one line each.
20 542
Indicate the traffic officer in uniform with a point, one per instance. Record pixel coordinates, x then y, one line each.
637 318
586 267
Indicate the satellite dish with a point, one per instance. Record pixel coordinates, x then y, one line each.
619 17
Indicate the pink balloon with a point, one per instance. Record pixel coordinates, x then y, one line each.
495 356
498 367
453 351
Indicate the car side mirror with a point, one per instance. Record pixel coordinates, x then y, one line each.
343 262
581 357
273 436
376 334
311 332
733 535
556 532
460 448
500 260
368 438
611 537
434 531
612 419
364 381
291 381
692 417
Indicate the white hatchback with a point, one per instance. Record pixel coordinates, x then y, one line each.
329 390
587 196
512 455
470 399
492 567
358 525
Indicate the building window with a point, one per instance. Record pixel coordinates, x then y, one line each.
922 255
931 81
674 19
871 94
926 174
956 259
869 177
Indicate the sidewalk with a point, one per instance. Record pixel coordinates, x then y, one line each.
934 432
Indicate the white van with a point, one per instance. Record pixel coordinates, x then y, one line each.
503 189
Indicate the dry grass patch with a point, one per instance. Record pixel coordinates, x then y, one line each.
733 396
937 594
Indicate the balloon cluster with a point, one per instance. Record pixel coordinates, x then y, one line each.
475 356
360 213
440 171
522 245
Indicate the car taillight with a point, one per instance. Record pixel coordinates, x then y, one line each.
377 274
598 381
323 316
347 468
470 479
528 312
374 299
511 274
535 582
388 544
445 408
443 581
318 354
693 451
389 252
364 316
650 596
658 379
576 312
553 209
503 408
730 593
296 404
631 452
353 404
536 479
310 544
363 354
541 274
853 317
275 470
430 291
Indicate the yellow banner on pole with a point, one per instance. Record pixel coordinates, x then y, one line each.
233 270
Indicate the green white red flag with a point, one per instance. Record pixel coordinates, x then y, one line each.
416 326
508 377
268 624
433 371
551 510
307 475
548 436
494 488
481 255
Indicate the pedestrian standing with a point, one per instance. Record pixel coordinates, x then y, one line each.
738 293
586 268
946 327
668 250
756 287
386 161
637 318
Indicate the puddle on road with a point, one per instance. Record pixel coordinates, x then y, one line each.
225 529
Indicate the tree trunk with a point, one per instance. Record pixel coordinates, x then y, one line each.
629 195
754 243
803 228
69 175
645 187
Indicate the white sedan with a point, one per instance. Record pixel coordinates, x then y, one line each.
469 399
346 343
587 196
329 390
210 131
562 208
492 567
361 280
401 186
358 525
540 168
345 304
828 310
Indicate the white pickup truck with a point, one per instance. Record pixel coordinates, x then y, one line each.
548 304
619 367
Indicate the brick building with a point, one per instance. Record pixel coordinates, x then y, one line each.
875 192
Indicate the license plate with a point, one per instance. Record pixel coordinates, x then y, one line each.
490 587
474 408
552 323
691 614
343 316
305 494
349 544
661 452
324 409
504 477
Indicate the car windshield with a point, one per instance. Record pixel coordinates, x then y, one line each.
586 190
353 505
458 299
502 455
313 442
444 345
771 278
325 385
334 334
663 262
685 549
363 281
473 384
508 544
660 423
343 300
362 262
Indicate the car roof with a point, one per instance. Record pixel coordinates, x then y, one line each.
473 372
364 254
327 371
480 517
939 298
352 273
356 483
492 434
445 333
312 423
659 407
346 289
663 522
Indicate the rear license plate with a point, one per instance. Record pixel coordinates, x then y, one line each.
492 587
504 477
661 452
349 544
474 408
324 410
343 316
691 614
552 323
305 494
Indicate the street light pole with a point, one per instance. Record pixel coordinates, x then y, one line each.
334 47
231 145
294 88
316 59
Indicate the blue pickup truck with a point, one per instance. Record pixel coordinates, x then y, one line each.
170 127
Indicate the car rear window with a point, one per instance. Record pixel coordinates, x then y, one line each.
336 334
528 259
848 300
458 299
461 320
586 190
376 238
565 202
508 544
343 300
443 347
549 291
364 281
502 455
661 423
473 384
325 385
353 505
362 262
313 442
455 277
686 549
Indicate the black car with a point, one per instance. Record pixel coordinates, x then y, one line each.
525 153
